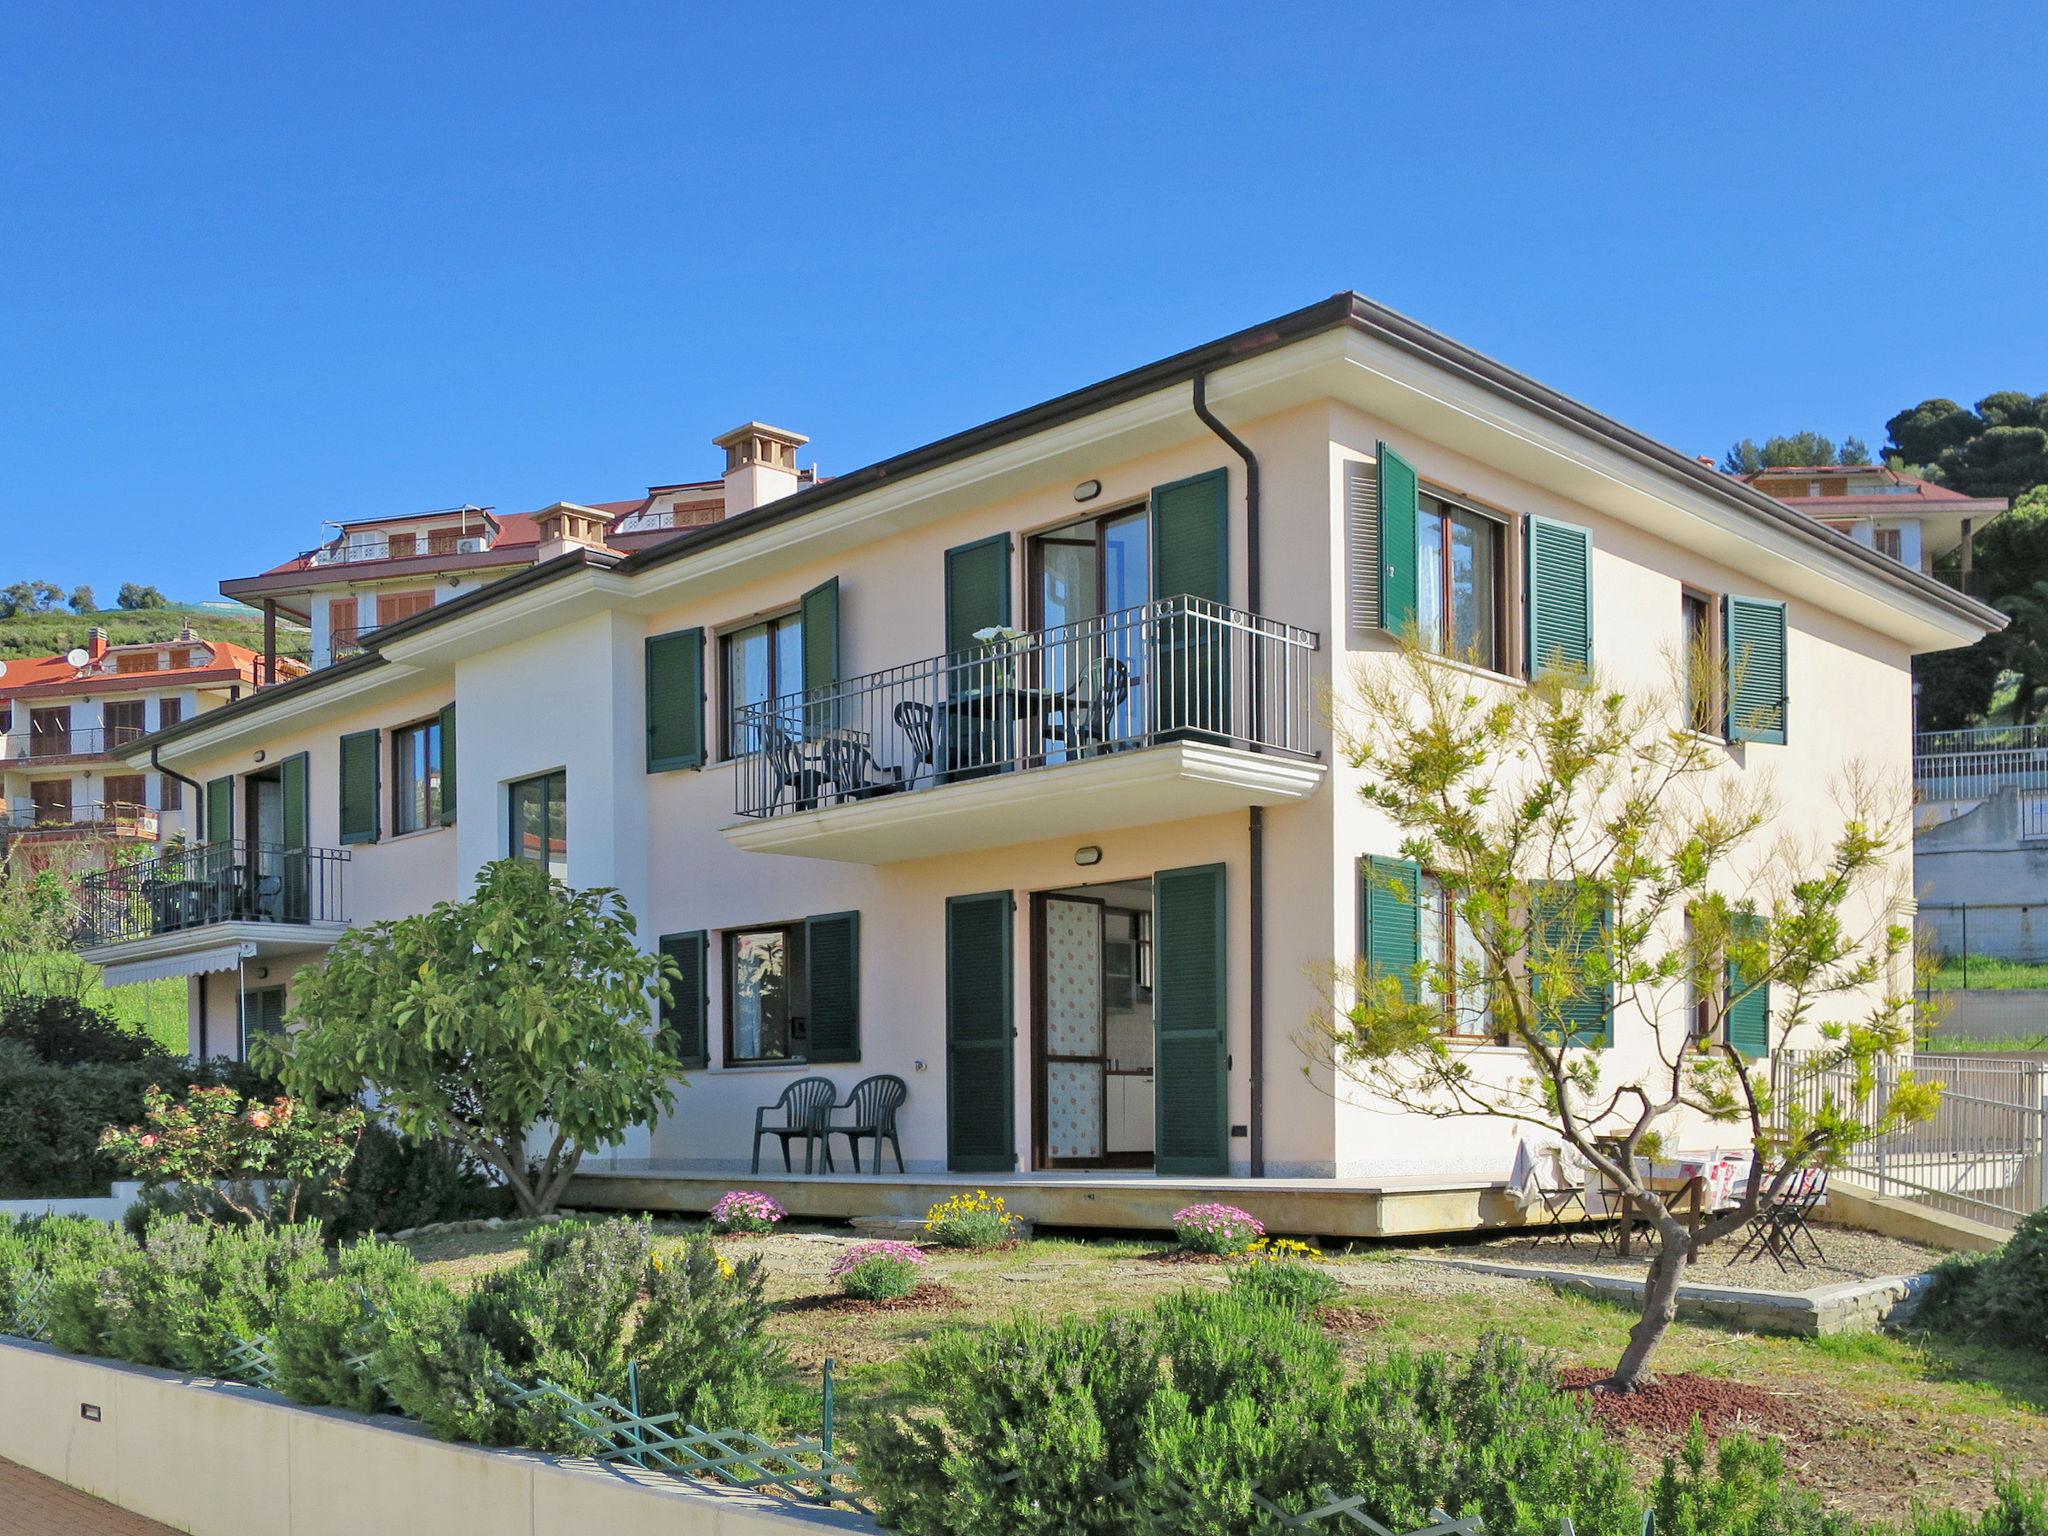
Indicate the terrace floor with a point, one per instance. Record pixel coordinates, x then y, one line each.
34 1505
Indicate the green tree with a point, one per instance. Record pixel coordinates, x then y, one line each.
1998 449
82 600
521 1013
1799 450
135 595
1597 854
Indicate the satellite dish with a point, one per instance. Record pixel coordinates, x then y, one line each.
3 669
78 656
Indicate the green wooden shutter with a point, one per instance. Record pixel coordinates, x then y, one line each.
447 765
293 870
1749 1015
1560 559
675 700
1399 487
220 809
820 610
1753 630
683 1016
1567 1004
1191 1021
980 1058
361 796
1191 537
1390 919
832 959
977 592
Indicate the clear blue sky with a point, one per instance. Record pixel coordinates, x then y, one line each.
265 265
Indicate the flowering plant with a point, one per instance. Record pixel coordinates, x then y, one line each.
217 1148
743 1210
1282 1250
979 1220
1218 1229
881 1270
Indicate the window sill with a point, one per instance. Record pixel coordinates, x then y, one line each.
420 832
783 1064
1473 669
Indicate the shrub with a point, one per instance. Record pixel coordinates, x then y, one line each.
325 1327
218 1146
1291 1287
2003 1295
194 1292
880 1271
2021 1510
979 1220
51 1118
30 1250
703 1345
1746 1493
397 1181
78 1279
741 1210
64 1032
1216 1229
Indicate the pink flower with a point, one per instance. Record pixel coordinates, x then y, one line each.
149 1141
260 1119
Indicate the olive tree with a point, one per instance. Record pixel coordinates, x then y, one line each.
517 1017
1626 900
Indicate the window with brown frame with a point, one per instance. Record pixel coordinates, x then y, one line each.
1702 676
126 790
1461 582
398 546
1457 974
764 994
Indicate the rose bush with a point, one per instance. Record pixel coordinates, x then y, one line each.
220 1150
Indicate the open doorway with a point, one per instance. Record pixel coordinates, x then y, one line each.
1093 1036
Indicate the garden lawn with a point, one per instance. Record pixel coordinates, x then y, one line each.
1882 1420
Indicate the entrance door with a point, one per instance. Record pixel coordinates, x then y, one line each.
1093 1039
980 1035
1191 1000
1090 579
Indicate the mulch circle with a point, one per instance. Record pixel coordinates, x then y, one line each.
1335 1319
1667 1409
925 1298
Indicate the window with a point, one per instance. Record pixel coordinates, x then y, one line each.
416 777
1460 577
123 719
762 662
1701 663
401 546
1457 967
539 831
170 793
262 1014
393 606
1890 542
135 661
764 978
127 790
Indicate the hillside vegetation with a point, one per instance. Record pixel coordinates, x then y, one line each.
53 633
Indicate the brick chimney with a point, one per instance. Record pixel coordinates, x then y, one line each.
760 465
566 526
95 644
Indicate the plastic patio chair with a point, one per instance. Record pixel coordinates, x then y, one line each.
874 1102
806 1106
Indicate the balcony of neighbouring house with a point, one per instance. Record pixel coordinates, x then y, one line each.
95 818
1175 709
67 744
1976 763
178 913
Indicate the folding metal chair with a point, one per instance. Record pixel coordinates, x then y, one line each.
1777 1228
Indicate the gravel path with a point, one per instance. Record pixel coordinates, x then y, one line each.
1851 1255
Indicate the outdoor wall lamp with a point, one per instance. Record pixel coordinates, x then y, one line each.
1089 855
1088 490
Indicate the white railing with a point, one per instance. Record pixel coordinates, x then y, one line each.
1978 774
1181 668
1984 1153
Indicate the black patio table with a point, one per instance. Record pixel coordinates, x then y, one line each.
974 734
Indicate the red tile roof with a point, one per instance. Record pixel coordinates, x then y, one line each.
43 675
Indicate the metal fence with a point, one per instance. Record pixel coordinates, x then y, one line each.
1974 764
1984 944
1181 668
1984 1153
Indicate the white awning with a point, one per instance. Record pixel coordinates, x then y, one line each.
228 957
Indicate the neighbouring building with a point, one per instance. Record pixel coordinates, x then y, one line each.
1073 884
65 722
1901 516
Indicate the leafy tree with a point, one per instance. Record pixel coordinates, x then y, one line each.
82 600
1801 449
524 1009
29 597
1595 852
1998 449
134 595
2011 570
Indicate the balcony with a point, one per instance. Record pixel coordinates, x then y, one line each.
1975 764
345 640
93 818
1176 709
57 746
259 896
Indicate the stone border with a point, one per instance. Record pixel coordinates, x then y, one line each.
1852 1306
219 1459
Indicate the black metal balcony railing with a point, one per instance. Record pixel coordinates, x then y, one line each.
80 741
224 882
1178 669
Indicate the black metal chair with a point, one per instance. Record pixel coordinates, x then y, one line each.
874 1102
913 718
806 1107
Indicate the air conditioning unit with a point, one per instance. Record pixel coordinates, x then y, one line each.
469 546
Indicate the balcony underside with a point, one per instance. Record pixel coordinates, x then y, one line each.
209 947
1175 782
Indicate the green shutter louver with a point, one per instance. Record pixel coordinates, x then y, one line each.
832 958
1753 630
447 764
361 808
1390 919
1568 935
1399 488
220 809
684 1016
675 700
980 1054
1749 1013
1191 537
1191 1014
1560 559
977 592
820 610
294 869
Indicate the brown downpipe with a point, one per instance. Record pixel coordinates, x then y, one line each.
1256 827
198 790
